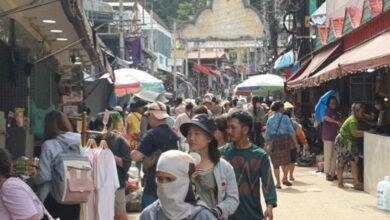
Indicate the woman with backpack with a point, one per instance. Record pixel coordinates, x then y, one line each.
58 135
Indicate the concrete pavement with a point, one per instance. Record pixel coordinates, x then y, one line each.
313 198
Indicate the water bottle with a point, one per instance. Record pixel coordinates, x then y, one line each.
134 172
383 194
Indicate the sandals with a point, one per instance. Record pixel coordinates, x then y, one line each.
358 187
287 183
330 178
278 187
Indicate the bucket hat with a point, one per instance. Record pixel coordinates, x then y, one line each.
204 122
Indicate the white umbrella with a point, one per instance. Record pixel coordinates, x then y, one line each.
148 82
262 84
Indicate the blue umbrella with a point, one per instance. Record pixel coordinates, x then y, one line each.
321 106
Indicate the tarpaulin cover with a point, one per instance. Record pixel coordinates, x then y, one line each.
284 61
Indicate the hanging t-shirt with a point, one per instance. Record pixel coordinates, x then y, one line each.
101 203
107 184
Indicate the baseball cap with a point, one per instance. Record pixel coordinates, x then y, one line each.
159 110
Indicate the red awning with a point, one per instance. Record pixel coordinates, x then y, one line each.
314 65
303 67
369 55
201 69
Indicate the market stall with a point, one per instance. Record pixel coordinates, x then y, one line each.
376 157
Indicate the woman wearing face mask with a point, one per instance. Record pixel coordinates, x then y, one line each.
215 180
176 200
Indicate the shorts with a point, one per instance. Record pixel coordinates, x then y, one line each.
294 156
120 201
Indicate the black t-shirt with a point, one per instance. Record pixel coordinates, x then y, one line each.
158 138
120 148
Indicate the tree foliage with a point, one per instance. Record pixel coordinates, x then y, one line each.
177 11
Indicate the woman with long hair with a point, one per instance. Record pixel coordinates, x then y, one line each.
281 140
221 131
259 119
214 178
330 127
58 135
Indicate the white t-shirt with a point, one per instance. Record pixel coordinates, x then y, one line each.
101 204
107 184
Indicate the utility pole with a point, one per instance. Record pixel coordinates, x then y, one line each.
121 30
152 37
174 60
199 73
186 67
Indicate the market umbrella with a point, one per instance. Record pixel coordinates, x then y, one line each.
321 106
148 82
126 84
151 96
262 85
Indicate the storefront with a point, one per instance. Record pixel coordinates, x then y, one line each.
45 49
359 69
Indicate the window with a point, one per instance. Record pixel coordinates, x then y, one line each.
362 88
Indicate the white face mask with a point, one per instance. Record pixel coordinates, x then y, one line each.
172 196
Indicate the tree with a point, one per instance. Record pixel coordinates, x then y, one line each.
178 11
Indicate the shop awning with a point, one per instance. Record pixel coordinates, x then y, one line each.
201 69
365 57
316 62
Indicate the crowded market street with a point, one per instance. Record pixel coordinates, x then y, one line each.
194 110
312 198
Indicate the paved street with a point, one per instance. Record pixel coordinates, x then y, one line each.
312 197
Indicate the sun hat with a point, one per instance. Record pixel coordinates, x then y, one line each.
159 110
204 122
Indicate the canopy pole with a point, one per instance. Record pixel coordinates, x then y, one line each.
59 50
